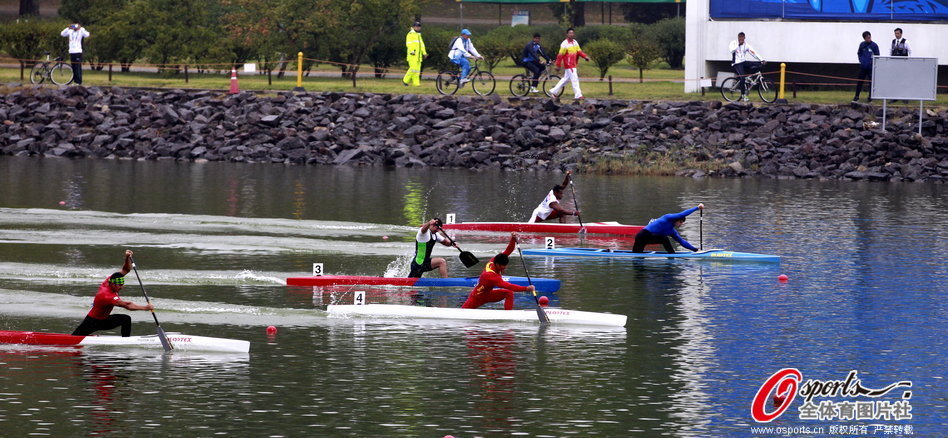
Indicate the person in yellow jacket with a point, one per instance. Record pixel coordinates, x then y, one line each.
416 54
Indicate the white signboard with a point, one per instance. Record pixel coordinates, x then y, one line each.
520 17
903 77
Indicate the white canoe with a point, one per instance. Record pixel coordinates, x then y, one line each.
178 340
556 315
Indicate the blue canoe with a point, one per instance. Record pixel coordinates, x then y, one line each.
710 254
542 284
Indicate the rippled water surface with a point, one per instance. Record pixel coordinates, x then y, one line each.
215 242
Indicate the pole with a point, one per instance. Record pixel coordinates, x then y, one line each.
110 72
185 72
783 78
299 72
610 85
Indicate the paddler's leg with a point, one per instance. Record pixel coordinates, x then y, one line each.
441 266
114 321
667 243
641 239
86 327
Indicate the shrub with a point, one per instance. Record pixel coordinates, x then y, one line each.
642 53
29 39
604 54
670 34
617 34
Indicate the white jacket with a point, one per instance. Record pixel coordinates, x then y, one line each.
463 47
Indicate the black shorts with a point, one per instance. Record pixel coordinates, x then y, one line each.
90 325
417 270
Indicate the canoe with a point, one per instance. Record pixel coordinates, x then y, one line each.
709 254
178 341
556 315
546 227
542 284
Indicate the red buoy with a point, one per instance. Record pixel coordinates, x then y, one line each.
783 278
544 301
271 330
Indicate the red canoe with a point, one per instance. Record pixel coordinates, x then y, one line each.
547 227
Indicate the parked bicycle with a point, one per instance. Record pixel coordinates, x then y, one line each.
482 82
57 71
520 84
766 89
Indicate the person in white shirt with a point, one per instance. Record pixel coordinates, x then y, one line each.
550 207
900 46
740 51
75 32
462 49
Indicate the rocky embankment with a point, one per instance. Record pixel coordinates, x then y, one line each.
683 138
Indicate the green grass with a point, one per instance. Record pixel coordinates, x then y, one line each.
661 84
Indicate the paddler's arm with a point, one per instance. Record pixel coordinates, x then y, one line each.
677 216
567 179
563 212
132 306
681 241
512 245
127 266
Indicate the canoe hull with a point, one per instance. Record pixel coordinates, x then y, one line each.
542 284
557 316
546 227
178 340
711 254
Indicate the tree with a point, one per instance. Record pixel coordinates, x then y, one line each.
642 53
649 13
604 54
29 8
387 51
28 39
569 13
670 34
90 12
494 47
436 44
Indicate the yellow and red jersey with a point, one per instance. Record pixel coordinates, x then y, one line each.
569 54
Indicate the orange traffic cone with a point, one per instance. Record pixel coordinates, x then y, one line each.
234 88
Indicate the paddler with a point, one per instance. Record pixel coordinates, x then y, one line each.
550 208
100 317
491 278
659 230
425 242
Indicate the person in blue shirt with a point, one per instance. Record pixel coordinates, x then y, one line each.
867 49
659 230
531 60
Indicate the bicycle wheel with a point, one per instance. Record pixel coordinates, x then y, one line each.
61 74
519 85
767 90
447 82
38 74
483 83
551 82
731 89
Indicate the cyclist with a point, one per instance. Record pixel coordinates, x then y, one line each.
462 48
531 60
739 53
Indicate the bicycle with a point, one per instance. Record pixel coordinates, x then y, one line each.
520 84
57 71
482 82
766 89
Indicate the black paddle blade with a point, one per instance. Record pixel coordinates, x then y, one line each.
542 315
468 259
165 343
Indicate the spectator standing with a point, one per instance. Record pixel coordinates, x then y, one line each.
740 50
900 46
76 33
867 49
568 59
416 54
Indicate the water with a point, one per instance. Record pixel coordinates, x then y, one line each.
214 243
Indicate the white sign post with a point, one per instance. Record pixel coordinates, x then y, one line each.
317 269
904 78
550 242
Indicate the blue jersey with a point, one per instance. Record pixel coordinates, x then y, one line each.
665 226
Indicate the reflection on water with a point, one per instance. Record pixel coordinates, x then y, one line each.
865 292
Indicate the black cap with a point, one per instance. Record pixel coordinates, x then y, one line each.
417 24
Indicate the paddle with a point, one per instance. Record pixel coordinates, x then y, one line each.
701 229
540 312
161 332
582 228
466 256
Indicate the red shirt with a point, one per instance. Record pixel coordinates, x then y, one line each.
491 278
104 301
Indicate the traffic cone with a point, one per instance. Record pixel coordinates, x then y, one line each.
234 88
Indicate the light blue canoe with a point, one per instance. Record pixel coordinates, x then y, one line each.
709 254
